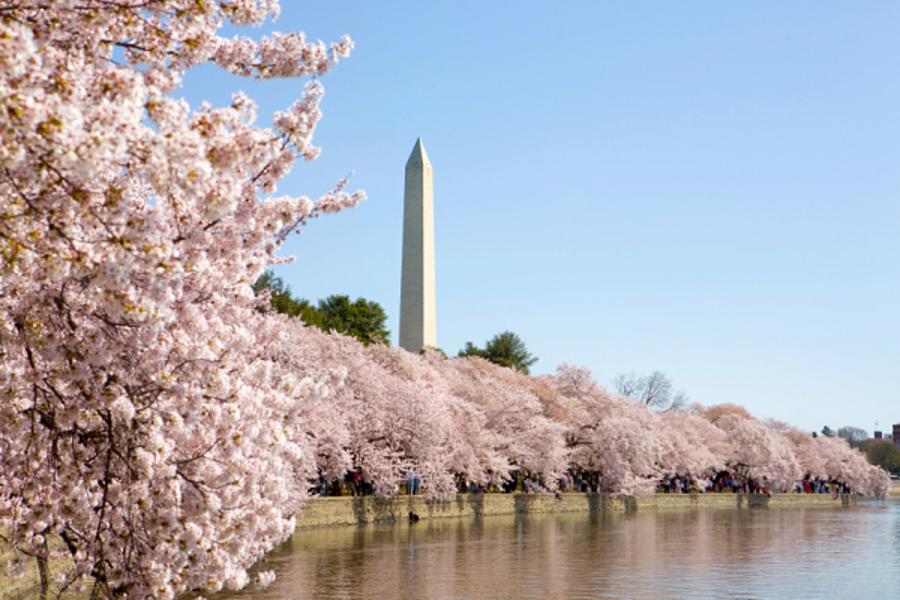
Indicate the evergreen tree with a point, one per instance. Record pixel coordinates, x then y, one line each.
362 319
505 349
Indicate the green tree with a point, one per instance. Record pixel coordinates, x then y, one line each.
363 319
828 431
284 302
883 453
505 349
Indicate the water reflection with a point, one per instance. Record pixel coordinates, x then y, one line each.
786 553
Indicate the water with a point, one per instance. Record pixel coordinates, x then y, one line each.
761 553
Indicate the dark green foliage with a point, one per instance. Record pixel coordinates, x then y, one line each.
362 319
505 349
883 453
283 301
472 350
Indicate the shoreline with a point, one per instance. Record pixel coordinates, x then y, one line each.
361 511
366 510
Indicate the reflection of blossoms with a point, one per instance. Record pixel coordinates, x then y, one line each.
15 567
265 579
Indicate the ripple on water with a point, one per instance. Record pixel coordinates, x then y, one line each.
777 553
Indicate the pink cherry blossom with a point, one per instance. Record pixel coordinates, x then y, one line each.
149 418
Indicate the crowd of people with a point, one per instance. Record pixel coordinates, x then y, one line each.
815 485
359 483
724 481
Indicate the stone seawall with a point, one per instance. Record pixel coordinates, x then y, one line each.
362 510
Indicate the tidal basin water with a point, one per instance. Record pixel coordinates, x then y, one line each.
706 553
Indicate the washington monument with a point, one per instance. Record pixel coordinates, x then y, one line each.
417 311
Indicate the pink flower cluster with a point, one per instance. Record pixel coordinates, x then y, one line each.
146 419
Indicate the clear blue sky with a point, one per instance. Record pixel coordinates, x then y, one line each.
711 189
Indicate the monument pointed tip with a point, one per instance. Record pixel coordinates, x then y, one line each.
418 156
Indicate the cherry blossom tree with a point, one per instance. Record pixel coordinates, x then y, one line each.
144 419
691 444
519 434
758 452
609 436
848 465
399 418
808 452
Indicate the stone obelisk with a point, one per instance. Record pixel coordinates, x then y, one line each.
417 310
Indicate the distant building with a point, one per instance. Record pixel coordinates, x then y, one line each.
897 433
878 436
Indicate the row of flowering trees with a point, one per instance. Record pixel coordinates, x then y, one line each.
157 429
466 418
